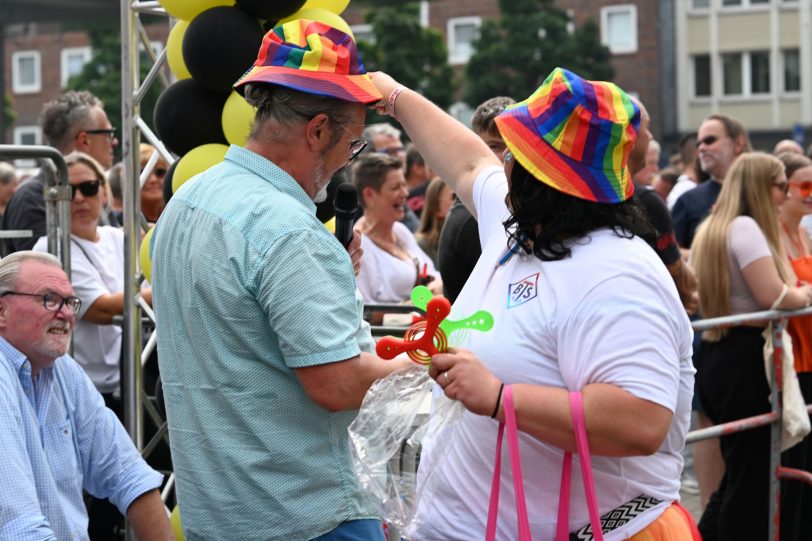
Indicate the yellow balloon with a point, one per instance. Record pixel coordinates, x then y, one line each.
336 6
143 256
174 50
237 118
189 9
196 161
331 225
322 16
177 529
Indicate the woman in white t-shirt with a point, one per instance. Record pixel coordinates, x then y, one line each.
97 276
741 267
393 262
580 303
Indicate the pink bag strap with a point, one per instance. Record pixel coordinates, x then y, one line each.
515 462
582 444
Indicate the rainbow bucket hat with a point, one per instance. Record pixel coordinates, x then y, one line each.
575 136
315 58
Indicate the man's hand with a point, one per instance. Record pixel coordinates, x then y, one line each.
355 251
385 85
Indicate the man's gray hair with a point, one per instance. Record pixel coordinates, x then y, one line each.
289 107
10 266
7 173
382 128
63 118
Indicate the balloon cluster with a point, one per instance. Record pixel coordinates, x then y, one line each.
213 44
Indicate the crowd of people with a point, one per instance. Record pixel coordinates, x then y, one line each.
552 213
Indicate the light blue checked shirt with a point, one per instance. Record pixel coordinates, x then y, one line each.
56 438
248 286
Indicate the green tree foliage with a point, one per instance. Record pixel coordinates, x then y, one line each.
102 75
415 56
515 53
9 116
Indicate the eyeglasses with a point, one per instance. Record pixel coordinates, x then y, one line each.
109 132
357 146
89 188
804 188
783 186
52 302
391 151
507 157
709 140
159 172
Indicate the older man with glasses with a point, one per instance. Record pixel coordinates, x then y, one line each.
264 355
57 438
74 121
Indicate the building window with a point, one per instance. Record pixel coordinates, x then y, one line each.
746 74
760 72
792 70
619 28
27 135
701 4
702 76
462 112
462 32
26 77
72 61
363 32
743 3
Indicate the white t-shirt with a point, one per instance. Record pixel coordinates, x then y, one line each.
386 278
97 268
609 314
683 184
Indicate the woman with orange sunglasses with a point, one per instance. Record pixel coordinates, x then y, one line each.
798 247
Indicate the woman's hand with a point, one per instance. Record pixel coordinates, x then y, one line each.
436 286
385 85
355 251
464 377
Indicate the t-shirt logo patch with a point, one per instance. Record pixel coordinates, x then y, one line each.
522 291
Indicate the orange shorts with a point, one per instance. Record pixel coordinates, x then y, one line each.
675 524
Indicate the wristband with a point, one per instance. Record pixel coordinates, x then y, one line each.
390 106
498 401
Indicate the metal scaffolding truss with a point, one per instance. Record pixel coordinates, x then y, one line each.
136 309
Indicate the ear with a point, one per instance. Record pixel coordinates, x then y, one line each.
738 145
317 132
3 313
82 143
367 193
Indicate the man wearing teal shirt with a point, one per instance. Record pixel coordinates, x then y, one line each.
263 351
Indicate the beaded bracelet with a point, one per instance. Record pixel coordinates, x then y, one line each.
498 401
390 108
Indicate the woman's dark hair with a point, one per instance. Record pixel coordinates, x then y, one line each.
551 220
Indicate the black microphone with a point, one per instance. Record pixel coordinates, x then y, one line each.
345 205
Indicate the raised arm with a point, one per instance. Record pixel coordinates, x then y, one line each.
452 150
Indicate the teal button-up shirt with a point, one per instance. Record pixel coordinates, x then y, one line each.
249 285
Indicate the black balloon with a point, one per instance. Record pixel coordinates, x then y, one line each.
167 185
271 9
220 45
188 115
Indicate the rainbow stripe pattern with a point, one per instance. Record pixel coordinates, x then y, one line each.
575 136
312 57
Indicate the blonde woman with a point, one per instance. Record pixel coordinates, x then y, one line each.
439 198
741 267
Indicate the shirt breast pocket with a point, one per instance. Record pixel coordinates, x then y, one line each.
61 453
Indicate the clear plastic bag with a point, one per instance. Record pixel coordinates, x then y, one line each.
398 415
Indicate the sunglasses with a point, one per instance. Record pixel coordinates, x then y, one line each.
709 140
783 186
804 188
88 188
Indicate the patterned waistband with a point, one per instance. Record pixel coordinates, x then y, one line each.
617 517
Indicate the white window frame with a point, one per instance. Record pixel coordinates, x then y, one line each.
606 11
16 86
745 4
18 133
364 30
454 56
63 61
747 86
701 9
